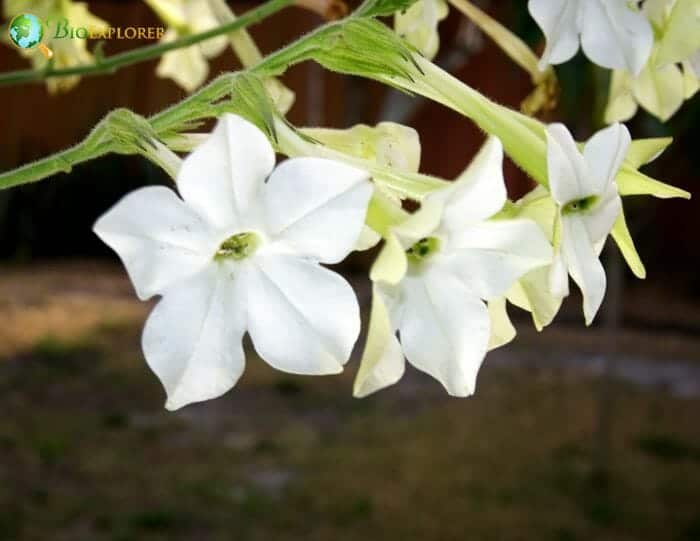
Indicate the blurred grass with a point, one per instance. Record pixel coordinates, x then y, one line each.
87 452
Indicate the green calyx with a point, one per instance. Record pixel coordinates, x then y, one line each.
423 250
580 205
238 246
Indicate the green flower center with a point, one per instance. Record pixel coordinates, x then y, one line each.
238 246
580 205
423 249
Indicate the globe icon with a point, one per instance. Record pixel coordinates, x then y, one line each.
26 31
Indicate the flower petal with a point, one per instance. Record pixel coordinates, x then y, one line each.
502 330
445 329
558 20
302 318
615 36
221 179
391 263
382 360
600 220
532 293
491 256
158 238
604 154
567 171
192 339
559 276
187 66
317 206
584 266
681 38
621 103
660 90
478 193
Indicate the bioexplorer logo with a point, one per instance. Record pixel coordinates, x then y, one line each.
27 32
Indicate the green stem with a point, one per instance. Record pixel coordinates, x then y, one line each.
115 62
522 137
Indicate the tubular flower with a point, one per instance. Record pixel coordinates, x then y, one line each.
188 66
433 275
611 33
419 25
671 75
588 204
241 251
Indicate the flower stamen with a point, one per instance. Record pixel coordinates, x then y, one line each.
423 249
238 246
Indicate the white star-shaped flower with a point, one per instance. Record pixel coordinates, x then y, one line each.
433 276
241 252
583 186
611 33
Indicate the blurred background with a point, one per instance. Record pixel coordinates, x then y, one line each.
573 434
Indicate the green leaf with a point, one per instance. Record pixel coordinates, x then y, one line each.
623 239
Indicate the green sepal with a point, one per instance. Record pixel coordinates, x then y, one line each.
643 151
621 234
632 182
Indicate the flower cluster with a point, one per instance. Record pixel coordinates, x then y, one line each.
241 246
241 250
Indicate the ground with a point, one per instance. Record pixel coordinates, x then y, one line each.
88 452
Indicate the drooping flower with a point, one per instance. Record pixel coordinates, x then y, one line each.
67 52
588 204
419 25
434 274
187 66
242 252
612 33
669 77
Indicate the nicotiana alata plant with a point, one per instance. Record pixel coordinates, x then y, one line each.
239 247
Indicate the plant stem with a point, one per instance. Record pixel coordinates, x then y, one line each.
115 62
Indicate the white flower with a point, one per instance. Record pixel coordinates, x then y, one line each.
611 33
238 253
431 278
668 78
188 66
583 186
419 25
